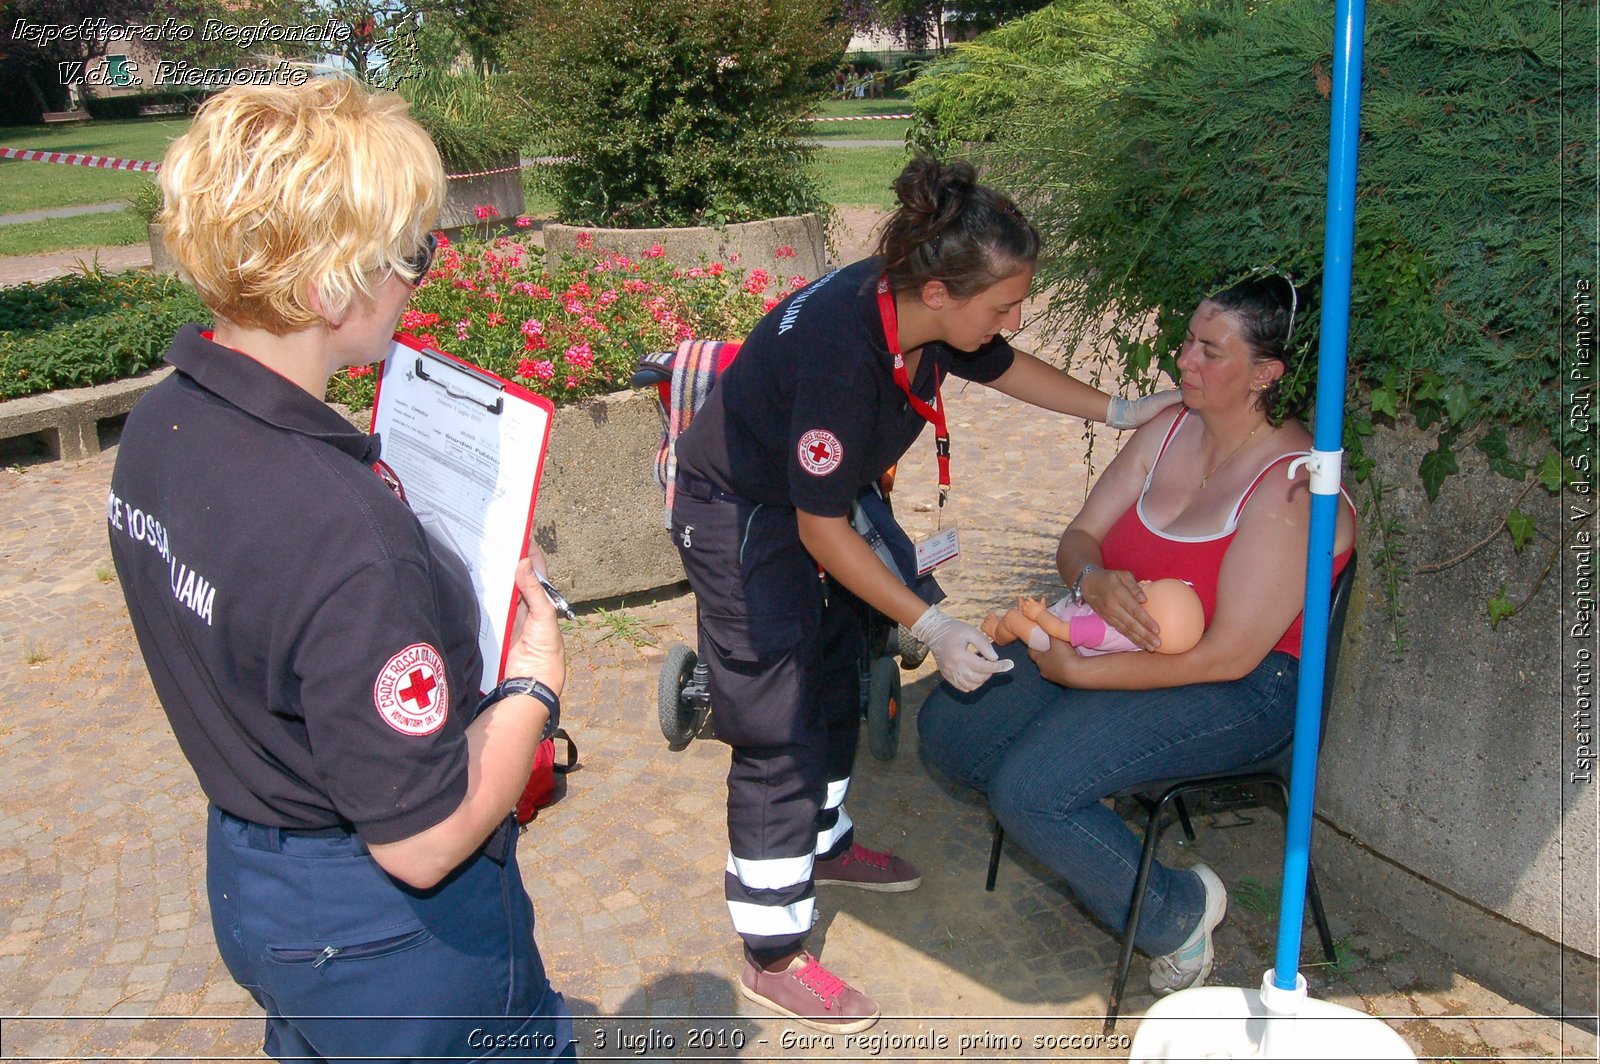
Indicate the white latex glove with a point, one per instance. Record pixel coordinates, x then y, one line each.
963 653
1131 413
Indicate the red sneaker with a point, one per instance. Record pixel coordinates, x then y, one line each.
868 870
808 992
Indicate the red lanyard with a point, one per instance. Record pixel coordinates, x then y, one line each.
934 414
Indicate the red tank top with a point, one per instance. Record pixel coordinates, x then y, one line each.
1149 554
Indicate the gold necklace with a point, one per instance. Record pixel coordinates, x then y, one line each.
1231 453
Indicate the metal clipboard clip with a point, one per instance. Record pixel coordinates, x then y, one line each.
495 407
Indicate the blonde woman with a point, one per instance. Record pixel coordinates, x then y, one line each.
315 654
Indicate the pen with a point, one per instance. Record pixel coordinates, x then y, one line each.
557 600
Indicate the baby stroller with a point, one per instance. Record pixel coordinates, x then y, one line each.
683 380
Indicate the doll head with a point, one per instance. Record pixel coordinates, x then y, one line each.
1176 608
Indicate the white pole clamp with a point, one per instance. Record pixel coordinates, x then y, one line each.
1327 470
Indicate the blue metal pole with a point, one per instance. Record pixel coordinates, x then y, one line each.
1327 460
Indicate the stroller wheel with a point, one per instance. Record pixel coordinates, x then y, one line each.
883 709
681 716
912 651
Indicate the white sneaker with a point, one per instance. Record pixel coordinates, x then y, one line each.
1190 964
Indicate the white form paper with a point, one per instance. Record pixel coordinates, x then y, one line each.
468 449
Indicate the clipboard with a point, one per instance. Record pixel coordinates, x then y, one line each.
468 448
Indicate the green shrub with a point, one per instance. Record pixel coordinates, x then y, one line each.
89 328
1164 147
676 112
146 201
471 119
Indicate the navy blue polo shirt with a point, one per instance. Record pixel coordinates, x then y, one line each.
317 659
808 414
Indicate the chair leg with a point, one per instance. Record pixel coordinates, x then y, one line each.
994 855
1183 818
1152 835
1319 915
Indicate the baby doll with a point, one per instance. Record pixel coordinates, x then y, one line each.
1172 604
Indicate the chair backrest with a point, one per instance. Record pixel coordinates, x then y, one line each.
1338 606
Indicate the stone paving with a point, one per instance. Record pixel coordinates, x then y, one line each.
106 949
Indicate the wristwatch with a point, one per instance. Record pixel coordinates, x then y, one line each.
1077 585
526 685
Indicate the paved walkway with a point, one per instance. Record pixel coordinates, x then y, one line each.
62 212
20 269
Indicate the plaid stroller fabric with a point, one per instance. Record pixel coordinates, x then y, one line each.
696 364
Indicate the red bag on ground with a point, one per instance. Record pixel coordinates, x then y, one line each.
541 788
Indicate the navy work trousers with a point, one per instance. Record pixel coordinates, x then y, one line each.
347 962
784 651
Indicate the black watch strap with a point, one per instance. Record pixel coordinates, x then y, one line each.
525 685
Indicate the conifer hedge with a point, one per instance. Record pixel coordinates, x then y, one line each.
1166 146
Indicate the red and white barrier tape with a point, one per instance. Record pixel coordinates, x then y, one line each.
105 163
859 118
98 161
490 173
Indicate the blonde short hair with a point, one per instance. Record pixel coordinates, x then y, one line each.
277 189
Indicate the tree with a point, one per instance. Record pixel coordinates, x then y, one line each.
676 112
916 24
40 62
381 46
232 50
968 18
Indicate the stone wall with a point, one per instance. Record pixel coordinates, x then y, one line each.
1450 759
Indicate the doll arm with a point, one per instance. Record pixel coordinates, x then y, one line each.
1017 623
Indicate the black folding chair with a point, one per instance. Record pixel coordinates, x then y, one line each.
1157 795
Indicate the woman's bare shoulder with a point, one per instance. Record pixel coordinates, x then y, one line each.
1293 436
1146 439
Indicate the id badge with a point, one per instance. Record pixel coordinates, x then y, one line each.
941 548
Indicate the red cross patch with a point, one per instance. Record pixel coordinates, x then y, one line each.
412 694
820 452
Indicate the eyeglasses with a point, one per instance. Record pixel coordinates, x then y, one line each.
416 265
1294 293
1294 307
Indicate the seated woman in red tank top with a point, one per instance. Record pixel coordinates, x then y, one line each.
1202 493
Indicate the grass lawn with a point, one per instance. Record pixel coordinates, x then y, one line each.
63 234
878 129
30 186
860 177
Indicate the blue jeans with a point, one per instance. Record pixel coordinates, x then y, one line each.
1046 755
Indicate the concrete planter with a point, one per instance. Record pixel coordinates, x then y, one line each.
501 190
497 184
754 243
160 261
67 421
599 517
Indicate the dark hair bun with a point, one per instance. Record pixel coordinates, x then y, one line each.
933 194
951 229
